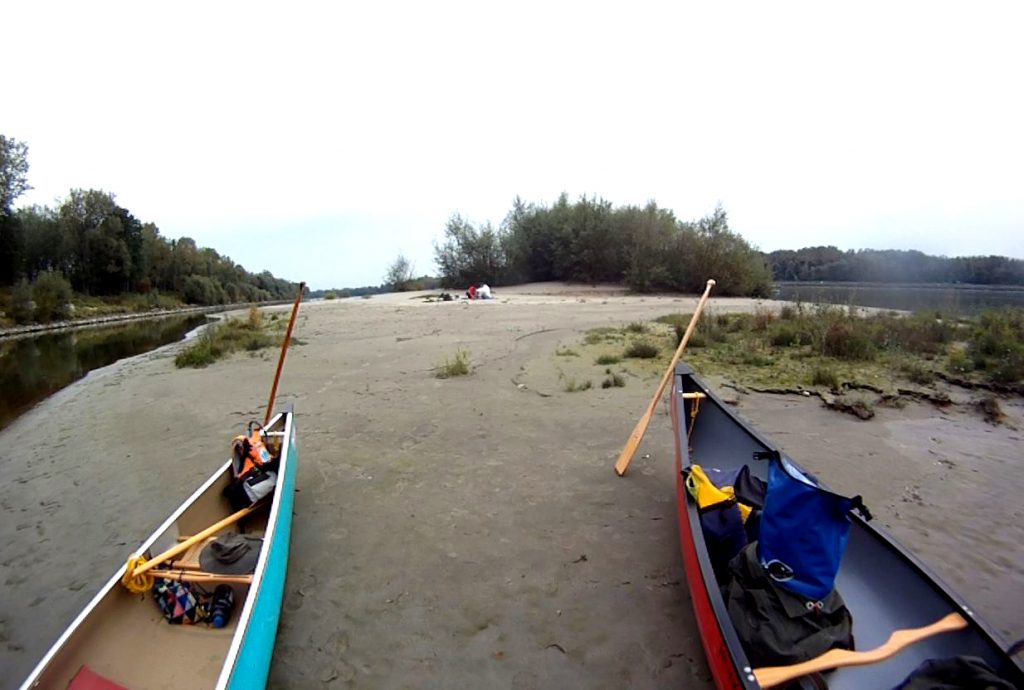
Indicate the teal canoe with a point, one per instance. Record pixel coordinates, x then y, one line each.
122 640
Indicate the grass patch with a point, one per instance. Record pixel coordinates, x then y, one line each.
613 381
571 386
642 349
600 334
250 334
458 365
636 327
917 373
604 360
567 352
825 376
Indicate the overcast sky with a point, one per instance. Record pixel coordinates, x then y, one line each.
319 140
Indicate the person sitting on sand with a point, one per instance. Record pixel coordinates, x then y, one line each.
483 292
471 292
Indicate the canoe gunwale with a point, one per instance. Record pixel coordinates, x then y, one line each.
692 536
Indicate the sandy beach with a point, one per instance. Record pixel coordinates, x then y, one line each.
468 532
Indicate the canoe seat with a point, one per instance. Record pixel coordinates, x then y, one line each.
87 679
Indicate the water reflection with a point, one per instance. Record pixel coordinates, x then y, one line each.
33 368
949 299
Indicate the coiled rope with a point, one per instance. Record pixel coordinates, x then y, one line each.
140 583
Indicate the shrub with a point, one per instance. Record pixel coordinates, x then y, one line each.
636 327
202 352
52 295
597 335
787 313
680 334
456 366
330 295
608 359
22 307
959 362
825 376
762 318
785 335
642 349
917 373
613 381
255 320
845 341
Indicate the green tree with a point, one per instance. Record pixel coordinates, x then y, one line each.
400 274
13 172
52 295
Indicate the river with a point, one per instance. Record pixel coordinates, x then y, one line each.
949 299
34 368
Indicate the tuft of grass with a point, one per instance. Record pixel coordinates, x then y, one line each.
917 373
598 335
567 352
613 381
844 340
458 365
204 351
996 344
608 359
763 318
825 376
642 349
636 327
787 313
571 386
255 319
992 410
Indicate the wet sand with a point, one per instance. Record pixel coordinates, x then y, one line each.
465 532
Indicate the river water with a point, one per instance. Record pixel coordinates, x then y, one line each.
948 299
34 368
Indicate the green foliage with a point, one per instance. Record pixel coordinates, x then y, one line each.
787 313
399 277
203 290
642 349
600 334
892 266
823 375
636 327
330 295
52 295
607 359
21 309
455 366
785 334
844 340
959 362
996 344
231 335
13 172
471 255
591 241
917 373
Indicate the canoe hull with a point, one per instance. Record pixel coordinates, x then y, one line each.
885 586
124 637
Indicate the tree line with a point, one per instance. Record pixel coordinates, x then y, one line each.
591 241
100 248
892 266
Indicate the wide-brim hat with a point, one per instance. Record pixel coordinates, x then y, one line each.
231 554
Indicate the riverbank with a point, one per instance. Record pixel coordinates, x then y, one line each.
467 532
72 324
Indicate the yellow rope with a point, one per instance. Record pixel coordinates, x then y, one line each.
137 584
694 409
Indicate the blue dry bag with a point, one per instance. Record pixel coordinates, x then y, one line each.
804 529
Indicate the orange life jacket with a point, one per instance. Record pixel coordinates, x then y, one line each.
250 451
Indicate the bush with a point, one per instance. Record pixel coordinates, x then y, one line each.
844 340
959 362
762 318
785 335
917 373
825 376
613 381
636 327
642 349
787 313
22 308
52 295
330 295
997 344
205 350
608 359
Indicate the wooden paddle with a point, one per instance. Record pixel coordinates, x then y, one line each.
622 464
284 349
133 575
771 676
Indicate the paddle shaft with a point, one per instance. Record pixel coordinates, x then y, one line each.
184 546
622 464
284 350
772 676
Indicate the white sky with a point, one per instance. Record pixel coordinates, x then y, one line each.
319 140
